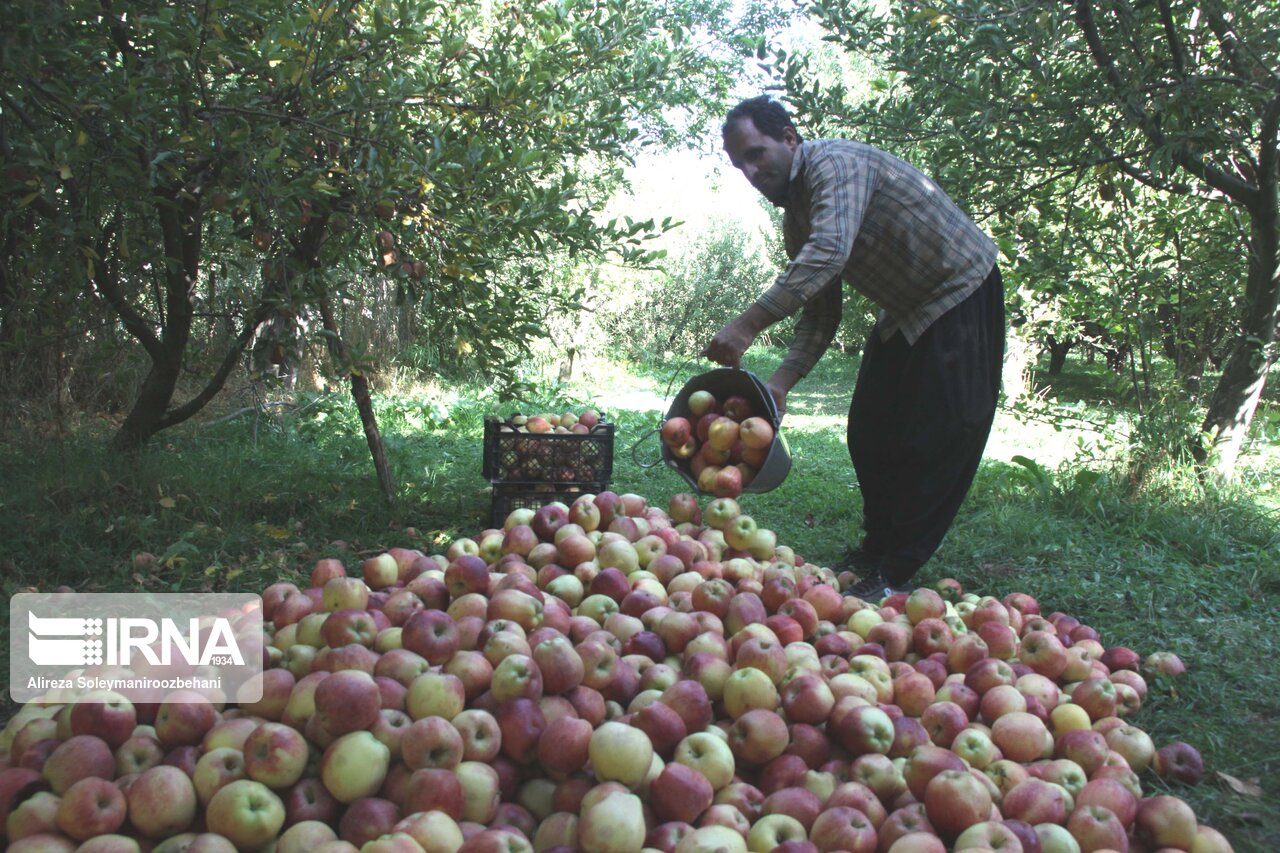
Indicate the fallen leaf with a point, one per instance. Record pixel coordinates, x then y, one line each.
1248 788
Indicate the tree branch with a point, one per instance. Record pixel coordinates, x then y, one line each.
1228 185
196 60
1107 65
1226 39
108 285
1176 50
1125 162
219 379
1268 142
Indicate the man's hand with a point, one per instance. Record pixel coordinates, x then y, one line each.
733 339
779 384
729 344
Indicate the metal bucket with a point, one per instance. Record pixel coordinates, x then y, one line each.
725 382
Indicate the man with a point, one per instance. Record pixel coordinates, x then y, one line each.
930 376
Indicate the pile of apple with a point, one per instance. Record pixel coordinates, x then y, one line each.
567 423
724 445
528 448
613 677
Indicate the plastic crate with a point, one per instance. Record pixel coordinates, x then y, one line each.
508 497
540 458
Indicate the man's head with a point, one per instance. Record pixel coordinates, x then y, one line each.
761 140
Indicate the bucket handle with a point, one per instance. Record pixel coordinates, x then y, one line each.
636 447
679 371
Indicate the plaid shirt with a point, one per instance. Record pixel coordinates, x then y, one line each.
862 215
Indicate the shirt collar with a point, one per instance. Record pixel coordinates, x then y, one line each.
797 166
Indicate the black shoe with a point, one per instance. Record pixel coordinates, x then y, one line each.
873 588
857 561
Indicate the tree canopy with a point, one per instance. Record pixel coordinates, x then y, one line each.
190 174
1124 155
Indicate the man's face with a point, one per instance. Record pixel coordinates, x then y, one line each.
765 161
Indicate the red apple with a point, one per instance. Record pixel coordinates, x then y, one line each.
1097 828
756 433
954 800
431 742
920 768
434 789
347 701
366 819
275 754
757 737
104 714
1112 794
843 828
308 800
162 802
563 745
676 431
92 806
1036 801
1164 821
943 720
78 757
680 793
807 699
183 718
862 729
1179 761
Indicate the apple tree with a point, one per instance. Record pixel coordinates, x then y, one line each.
1037 113
193 174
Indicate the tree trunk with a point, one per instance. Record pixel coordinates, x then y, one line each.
180 230
1058 350
147 414
151 412
404 323
364 402
1245 373
1187 353
10 330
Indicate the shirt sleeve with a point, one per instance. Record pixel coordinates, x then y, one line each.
815 329
839 190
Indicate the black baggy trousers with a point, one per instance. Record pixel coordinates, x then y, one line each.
918 424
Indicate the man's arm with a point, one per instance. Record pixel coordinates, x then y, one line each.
815 330
733 339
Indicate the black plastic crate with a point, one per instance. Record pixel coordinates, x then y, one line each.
541 458
508 497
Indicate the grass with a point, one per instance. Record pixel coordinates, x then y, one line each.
1164 565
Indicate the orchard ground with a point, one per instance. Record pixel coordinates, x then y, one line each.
1143 553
